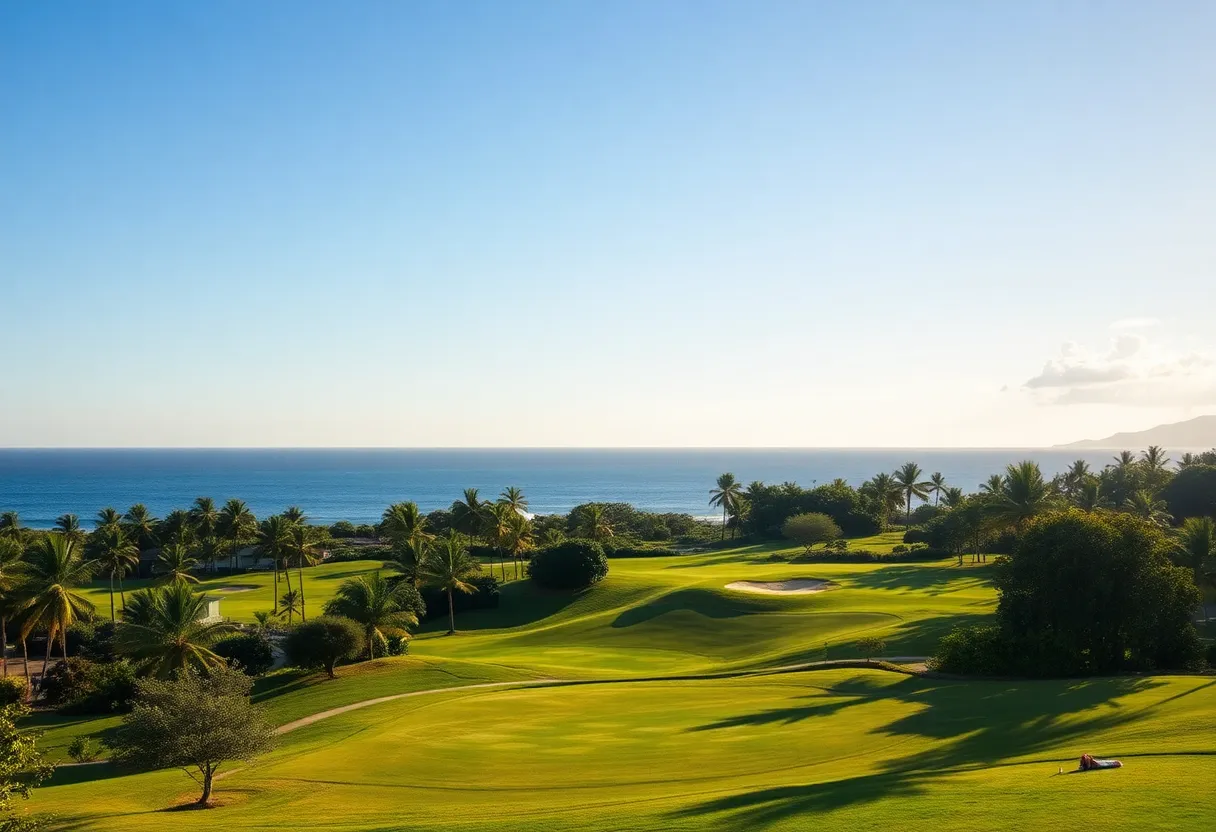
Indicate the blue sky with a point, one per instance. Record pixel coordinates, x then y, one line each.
509 223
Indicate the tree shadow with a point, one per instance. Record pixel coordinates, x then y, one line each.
700 601
519 603
931 580
974 724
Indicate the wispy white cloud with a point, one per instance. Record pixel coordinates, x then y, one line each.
1132 371
1135 323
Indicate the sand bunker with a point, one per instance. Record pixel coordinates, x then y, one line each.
794 586
230 589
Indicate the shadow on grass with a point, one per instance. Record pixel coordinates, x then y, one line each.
519 603
931 580
69 775
973 725
700 601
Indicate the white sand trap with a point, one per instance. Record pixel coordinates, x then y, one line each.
230 589
794 586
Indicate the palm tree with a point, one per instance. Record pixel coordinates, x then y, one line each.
404 526
1197 549
373 602
108 518
1076 476
520 539
264 620
141 526
12 572
115 555
994 485
448 567
302 549
908 478
498 530
69 526
204 523
163 630
1024 494
726 496
174 563
514 497
1143 504
468 515
274 539
1089 496
954 497
237 526
594 523
176 528
937 487
1154 462
57 567
292 602
885 493
10 526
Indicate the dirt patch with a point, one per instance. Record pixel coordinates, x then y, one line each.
794 586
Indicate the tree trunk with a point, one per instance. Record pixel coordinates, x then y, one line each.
451 615
25 663
46 659
502 564
111 597
207 773
275 559
4 645
371 643
300 574
724 520
329 668
122 596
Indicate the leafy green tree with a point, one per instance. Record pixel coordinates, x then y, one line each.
1197 550
1095 594
195 723
57 568
809 529
374 603
1024 495
174 563
871 646
937 487
163 630
725 496
237 527
21 765
323 642
1192 492
204 518
176 528
908 478
448 567
115 555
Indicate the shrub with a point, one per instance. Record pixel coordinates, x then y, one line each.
252 652
343 528
572 564
916 534
84 750
13 689
973 651
365 530
80 686
64 681
323 642
638 552
809 529
900 549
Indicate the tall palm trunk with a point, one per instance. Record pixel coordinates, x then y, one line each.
121 594
112 597
4 644
275 560
46 660
25 663
724 520
287 574
451 615
300 575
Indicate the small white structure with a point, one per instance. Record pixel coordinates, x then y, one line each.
213 613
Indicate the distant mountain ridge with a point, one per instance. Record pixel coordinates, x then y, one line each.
1199 432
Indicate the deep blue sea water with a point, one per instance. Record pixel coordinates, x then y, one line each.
356 485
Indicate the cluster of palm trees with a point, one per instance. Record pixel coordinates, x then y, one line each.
891 492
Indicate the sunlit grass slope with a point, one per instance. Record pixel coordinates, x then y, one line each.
829 750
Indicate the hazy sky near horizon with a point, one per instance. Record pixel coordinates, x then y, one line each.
604 224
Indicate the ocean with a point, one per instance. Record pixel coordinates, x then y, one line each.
356 485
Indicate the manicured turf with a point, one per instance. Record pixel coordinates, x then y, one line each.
825 749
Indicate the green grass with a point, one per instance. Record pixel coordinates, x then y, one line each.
625 748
